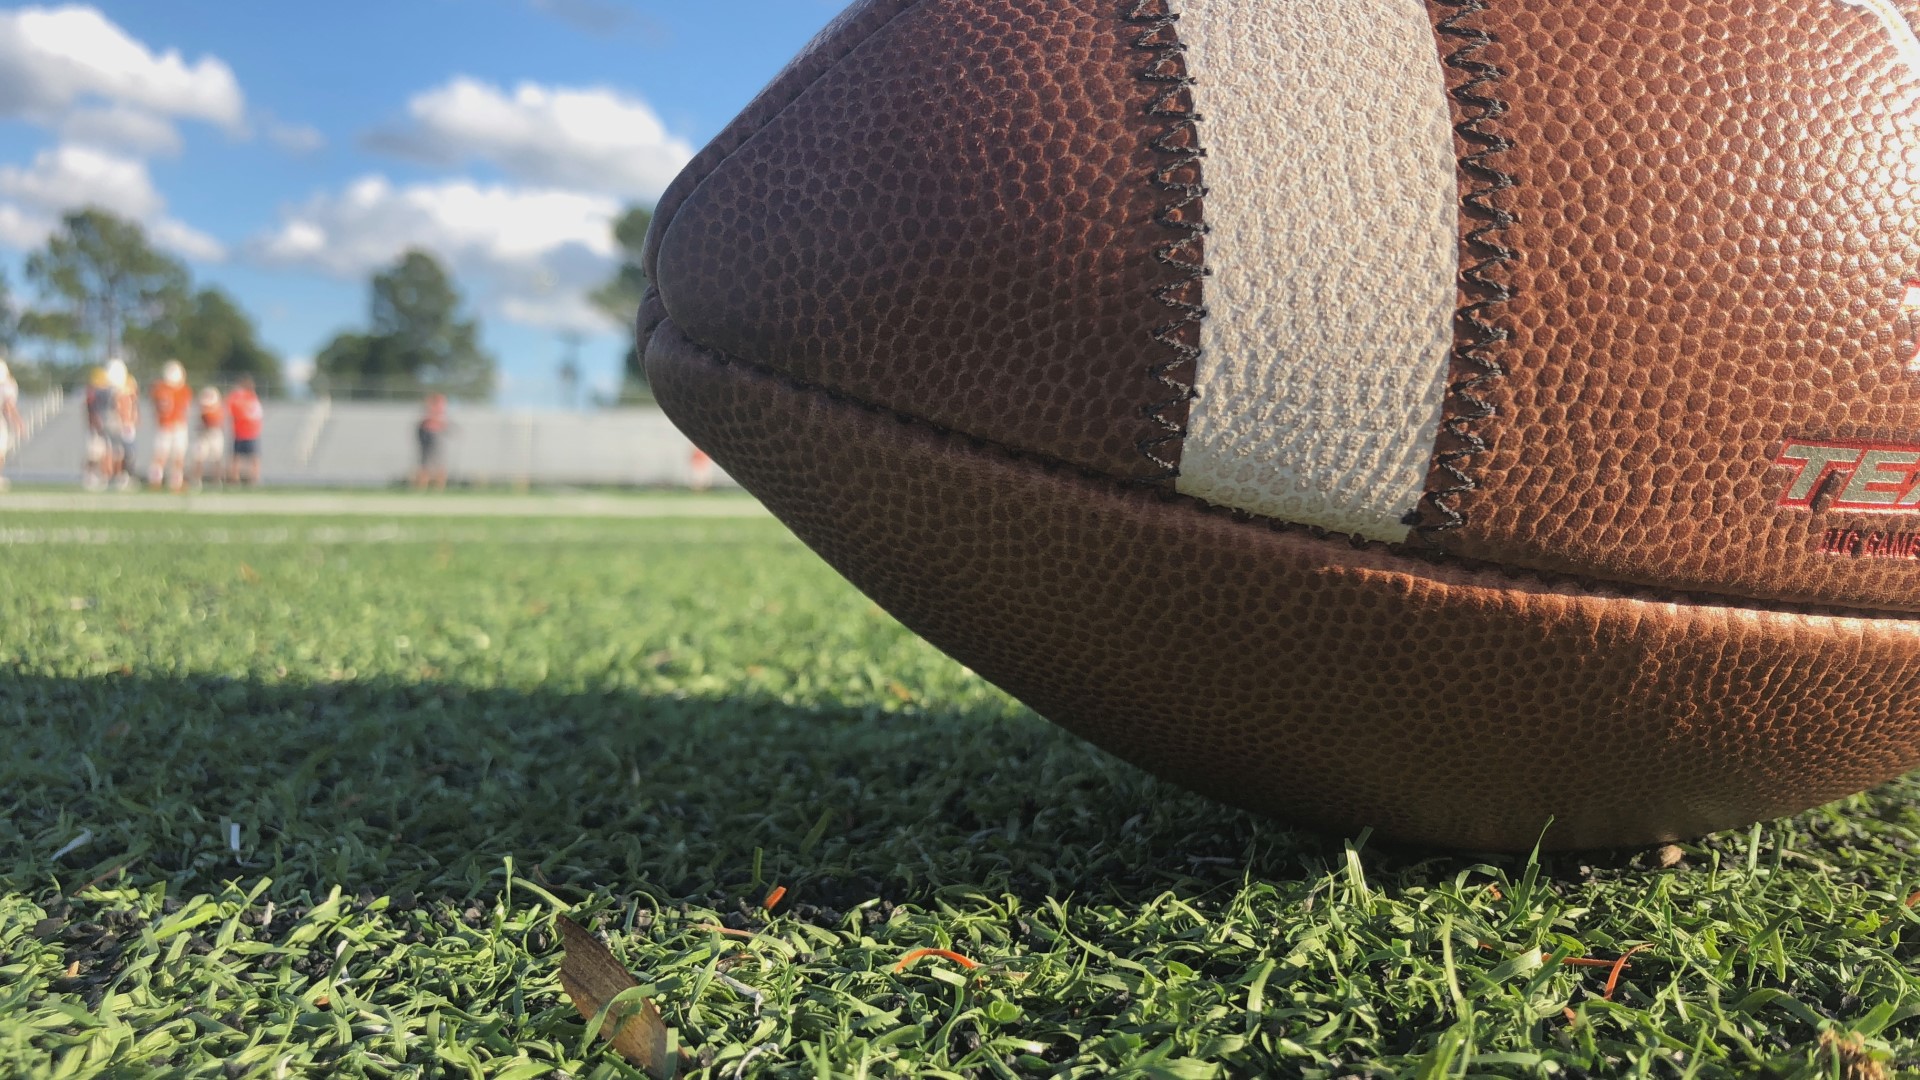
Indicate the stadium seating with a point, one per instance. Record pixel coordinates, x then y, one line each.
324 443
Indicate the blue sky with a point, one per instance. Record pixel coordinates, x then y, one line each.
286 150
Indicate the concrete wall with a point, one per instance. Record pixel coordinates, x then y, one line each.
372 444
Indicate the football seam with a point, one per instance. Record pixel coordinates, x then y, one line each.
1178 177
1478 335
1544 580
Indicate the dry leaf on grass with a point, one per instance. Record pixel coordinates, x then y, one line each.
716 928
1620 965
945 954
593 980
1846 1055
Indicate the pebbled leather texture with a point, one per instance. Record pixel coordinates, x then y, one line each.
1323 683
955 220
936 249
1333 252
847 31
1714 222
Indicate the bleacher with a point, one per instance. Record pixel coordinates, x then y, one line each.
323 443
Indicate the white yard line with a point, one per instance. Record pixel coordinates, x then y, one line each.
379 505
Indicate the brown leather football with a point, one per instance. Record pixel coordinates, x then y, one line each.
1444 417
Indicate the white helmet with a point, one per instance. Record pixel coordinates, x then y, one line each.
173 374
116 373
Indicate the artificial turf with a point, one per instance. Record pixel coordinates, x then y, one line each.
334 779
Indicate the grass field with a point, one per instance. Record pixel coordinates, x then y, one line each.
291 797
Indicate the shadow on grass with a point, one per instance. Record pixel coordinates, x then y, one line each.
421 792
425 787
428 788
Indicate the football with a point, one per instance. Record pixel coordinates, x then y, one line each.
1486 422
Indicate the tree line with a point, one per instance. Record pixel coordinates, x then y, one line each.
619 299
417 340
103 290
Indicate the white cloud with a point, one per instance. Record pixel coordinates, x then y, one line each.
72 70
71 177
528 255
594 17
295 138
21 230
75 176
54 59
373 220
184 239
121 127
596 140
114 102
554 312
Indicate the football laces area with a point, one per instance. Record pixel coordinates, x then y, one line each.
298 791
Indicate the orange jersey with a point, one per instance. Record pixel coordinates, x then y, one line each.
213 417
244 407
172 404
